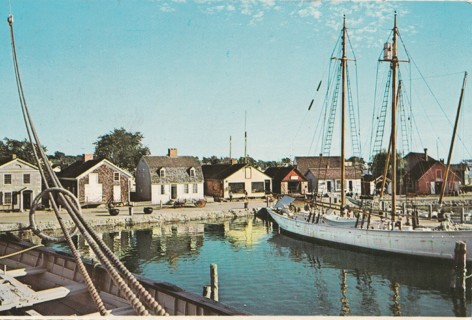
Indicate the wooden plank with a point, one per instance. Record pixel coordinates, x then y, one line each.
32 313
21 272
60 292
121 311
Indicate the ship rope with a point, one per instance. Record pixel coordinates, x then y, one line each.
127 284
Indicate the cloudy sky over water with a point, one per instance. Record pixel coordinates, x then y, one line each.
184 73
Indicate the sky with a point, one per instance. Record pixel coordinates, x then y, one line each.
191 74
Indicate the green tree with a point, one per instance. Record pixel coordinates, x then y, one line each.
378 165
63 160
22 149
121 147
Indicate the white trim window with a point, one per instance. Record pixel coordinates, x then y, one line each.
116 176
26 178
186 188
195 188
163 189
7 178
162 173
7 198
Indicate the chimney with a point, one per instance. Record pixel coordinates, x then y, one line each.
87 157
426 154
13 156
172 152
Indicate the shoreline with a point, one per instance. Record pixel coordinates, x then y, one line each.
99 217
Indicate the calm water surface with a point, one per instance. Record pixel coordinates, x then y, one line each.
267 273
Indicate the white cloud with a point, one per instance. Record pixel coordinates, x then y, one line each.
165 7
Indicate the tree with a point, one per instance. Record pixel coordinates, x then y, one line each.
22 149
122 148
63 160
378 165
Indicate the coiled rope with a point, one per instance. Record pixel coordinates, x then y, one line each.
129 286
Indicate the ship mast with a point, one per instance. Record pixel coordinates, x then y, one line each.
393 134
443 189
343 116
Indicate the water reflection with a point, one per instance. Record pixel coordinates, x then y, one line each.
265 272
407 278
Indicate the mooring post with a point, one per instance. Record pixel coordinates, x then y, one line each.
267 201
459 268
430 211
404 208
214 281
160 204
207 291
131 210
462 214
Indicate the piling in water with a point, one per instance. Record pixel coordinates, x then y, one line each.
214 281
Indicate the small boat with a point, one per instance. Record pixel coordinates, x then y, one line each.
335 220
39 281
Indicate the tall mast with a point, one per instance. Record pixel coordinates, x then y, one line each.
245 137
394 64
443 189
343 116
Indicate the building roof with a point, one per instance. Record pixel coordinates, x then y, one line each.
335 173
177 169
280 173
306 163
80 167
5 161
424 166
221 171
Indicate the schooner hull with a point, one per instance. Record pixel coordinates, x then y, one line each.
420 243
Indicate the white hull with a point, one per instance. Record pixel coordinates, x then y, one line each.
431 244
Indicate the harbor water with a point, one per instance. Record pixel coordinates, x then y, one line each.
264 272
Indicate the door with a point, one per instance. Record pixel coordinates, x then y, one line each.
267 186
173 191
117 193
27 199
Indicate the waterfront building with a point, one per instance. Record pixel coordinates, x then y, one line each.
287 180
324 174
20 183
238 180
160 179
97 181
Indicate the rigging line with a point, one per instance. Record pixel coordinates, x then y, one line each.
136 304
90 286
373 112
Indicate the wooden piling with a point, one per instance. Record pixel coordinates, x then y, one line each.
462 214
130 210
459 269
430 211
214 281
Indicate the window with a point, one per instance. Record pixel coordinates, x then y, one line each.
7 199
192 172
438 174
162 173
116 176
185 188
26 178
257 187
195 188
236 187
248 172
7 179
338 185
163 189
